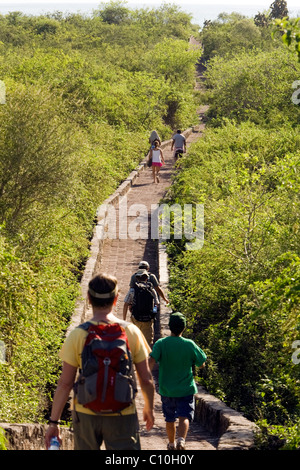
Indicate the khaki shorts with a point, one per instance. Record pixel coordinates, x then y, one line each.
116 432
146 328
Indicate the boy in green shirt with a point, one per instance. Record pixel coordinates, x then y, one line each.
176 356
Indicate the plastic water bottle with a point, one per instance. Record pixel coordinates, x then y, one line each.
54 444
155 309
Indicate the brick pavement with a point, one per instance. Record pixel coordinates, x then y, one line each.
121 256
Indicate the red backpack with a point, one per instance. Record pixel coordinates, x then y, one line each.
107 381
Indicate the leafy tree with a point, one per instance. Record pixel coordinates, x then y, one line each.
173 60
15 17
228 35
47 26
36 151
279 9
290 29
113 12
262 20
251 86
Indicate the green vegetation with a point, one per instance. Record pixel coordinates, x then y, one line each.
241 291
2 440
254 86
82 96
290 30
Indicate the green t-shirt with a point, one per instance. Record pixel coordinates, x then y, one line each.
176 356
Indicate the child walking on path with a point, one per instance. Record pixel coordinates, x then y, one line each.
157 158
176 356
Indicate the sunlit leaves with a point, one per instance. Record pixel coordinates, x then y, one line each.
252 86
290 32
240 292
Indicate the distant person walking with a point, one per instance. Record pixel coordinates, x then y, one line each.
151 278
118 429
141 300
176 356
154 136
178 143
157 160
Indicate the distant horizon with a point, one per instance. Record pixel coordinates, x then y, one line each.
199 11
240 3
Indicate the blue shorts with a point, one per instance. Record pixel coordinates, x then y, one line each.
175 407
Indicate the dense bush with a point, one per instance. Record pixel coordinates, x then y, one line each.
228 35
240 292
253 85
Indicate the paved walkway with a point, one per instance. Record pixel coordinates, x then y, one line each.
121 257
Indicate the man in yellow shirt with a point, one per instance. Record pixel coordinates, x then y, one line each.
119 431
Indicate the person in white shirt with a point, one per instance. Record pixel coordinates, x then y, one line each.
157 158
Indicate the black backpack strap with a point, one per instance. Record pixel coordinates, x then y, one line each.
85 326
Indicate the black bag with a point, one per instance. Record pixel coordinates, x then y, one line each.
143 303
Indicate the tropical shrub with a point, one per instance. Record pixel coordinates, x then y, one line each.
254 86
240 292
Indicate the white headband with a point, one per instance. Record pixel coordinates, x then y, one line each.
107 295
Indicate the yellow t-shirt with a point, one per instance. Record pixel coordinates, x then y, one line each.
73 346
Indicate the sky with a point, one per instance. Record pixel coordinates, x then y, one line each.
262 3
210 10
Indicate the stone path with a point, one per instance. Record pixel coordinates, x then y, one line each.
121 257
